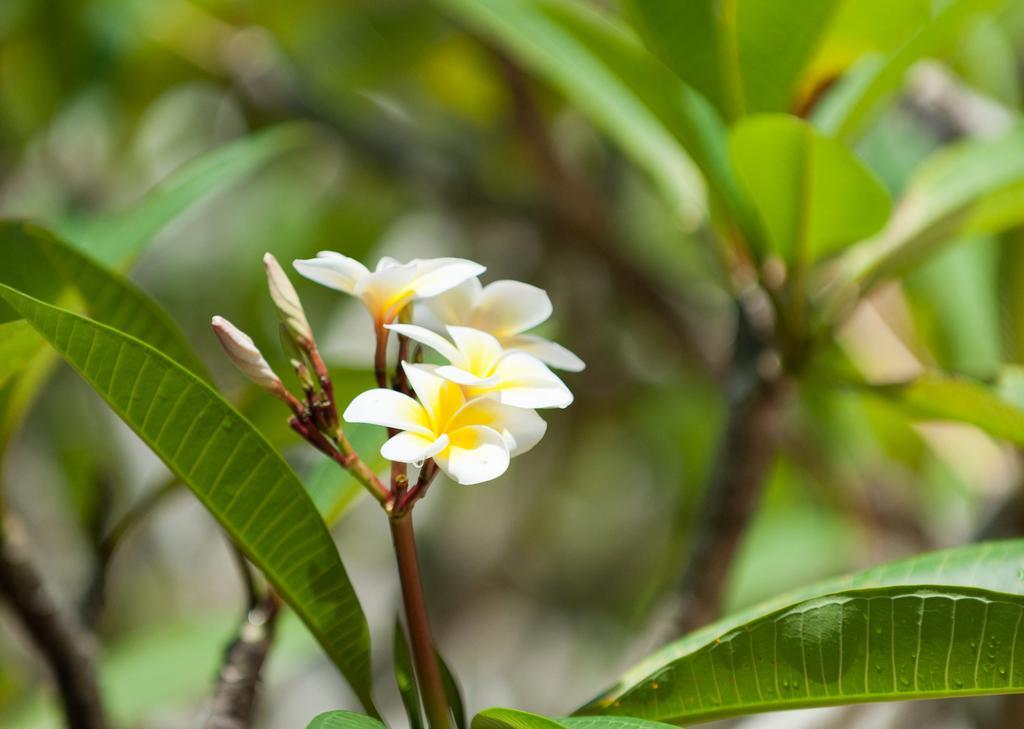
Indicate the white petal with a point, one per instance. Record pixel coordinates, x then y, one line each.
387 289
390 409
526 382
505 308
431 339
521 428
546 351
462 377
412 447
437 275
475 454
332 270
440 398
479 350
455 305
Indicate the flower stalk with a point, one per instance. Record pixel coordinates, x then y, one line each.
428 671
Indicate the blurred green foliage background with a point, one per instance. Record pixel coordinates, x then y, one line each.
403 136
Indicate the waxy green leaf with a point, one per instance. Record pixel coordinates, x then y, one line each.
881 644
990 566
746 56
237 475
345 720
812 193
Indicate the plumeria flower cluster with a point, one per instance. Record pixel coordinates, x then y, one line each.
466 415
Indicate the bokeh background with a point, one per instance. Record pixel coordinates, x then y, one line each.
405 133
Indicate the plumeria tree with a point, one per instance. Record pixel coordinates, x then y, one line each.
746 143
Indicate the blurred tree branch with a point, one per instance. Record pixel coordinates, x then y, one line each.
234 700
757 393
65 645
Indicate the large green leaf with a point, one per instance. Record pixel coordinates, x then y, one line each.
844 112
813 194
118 237
530 30
992 566
968 188
345 720
34 261
878 644
231 468
744 55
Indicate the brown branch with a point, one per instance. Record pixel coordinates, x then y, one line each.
756 400
66 647
234 701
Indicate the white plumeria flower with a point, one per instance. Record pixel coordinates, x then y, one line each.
478 362
386 290
505 309
471 440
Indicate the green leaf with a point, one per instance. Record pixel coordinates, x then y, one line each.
855 646
231 468
453 693
513 719
34 261
812 193
845 111
18 344
968 188
405 676
746 56
345 720
943 397
118 237
529 29
994 566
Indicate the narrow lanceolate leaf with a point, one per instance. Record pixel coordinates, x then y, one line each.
405 677
453 692
231 468
936 396
344 720
745 55
812 193
846 110
119 237
515 719
994 566
973 187
34 261
881 644
529 30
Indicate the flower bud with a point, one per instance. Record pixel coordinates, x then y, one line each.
243 352
289 308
